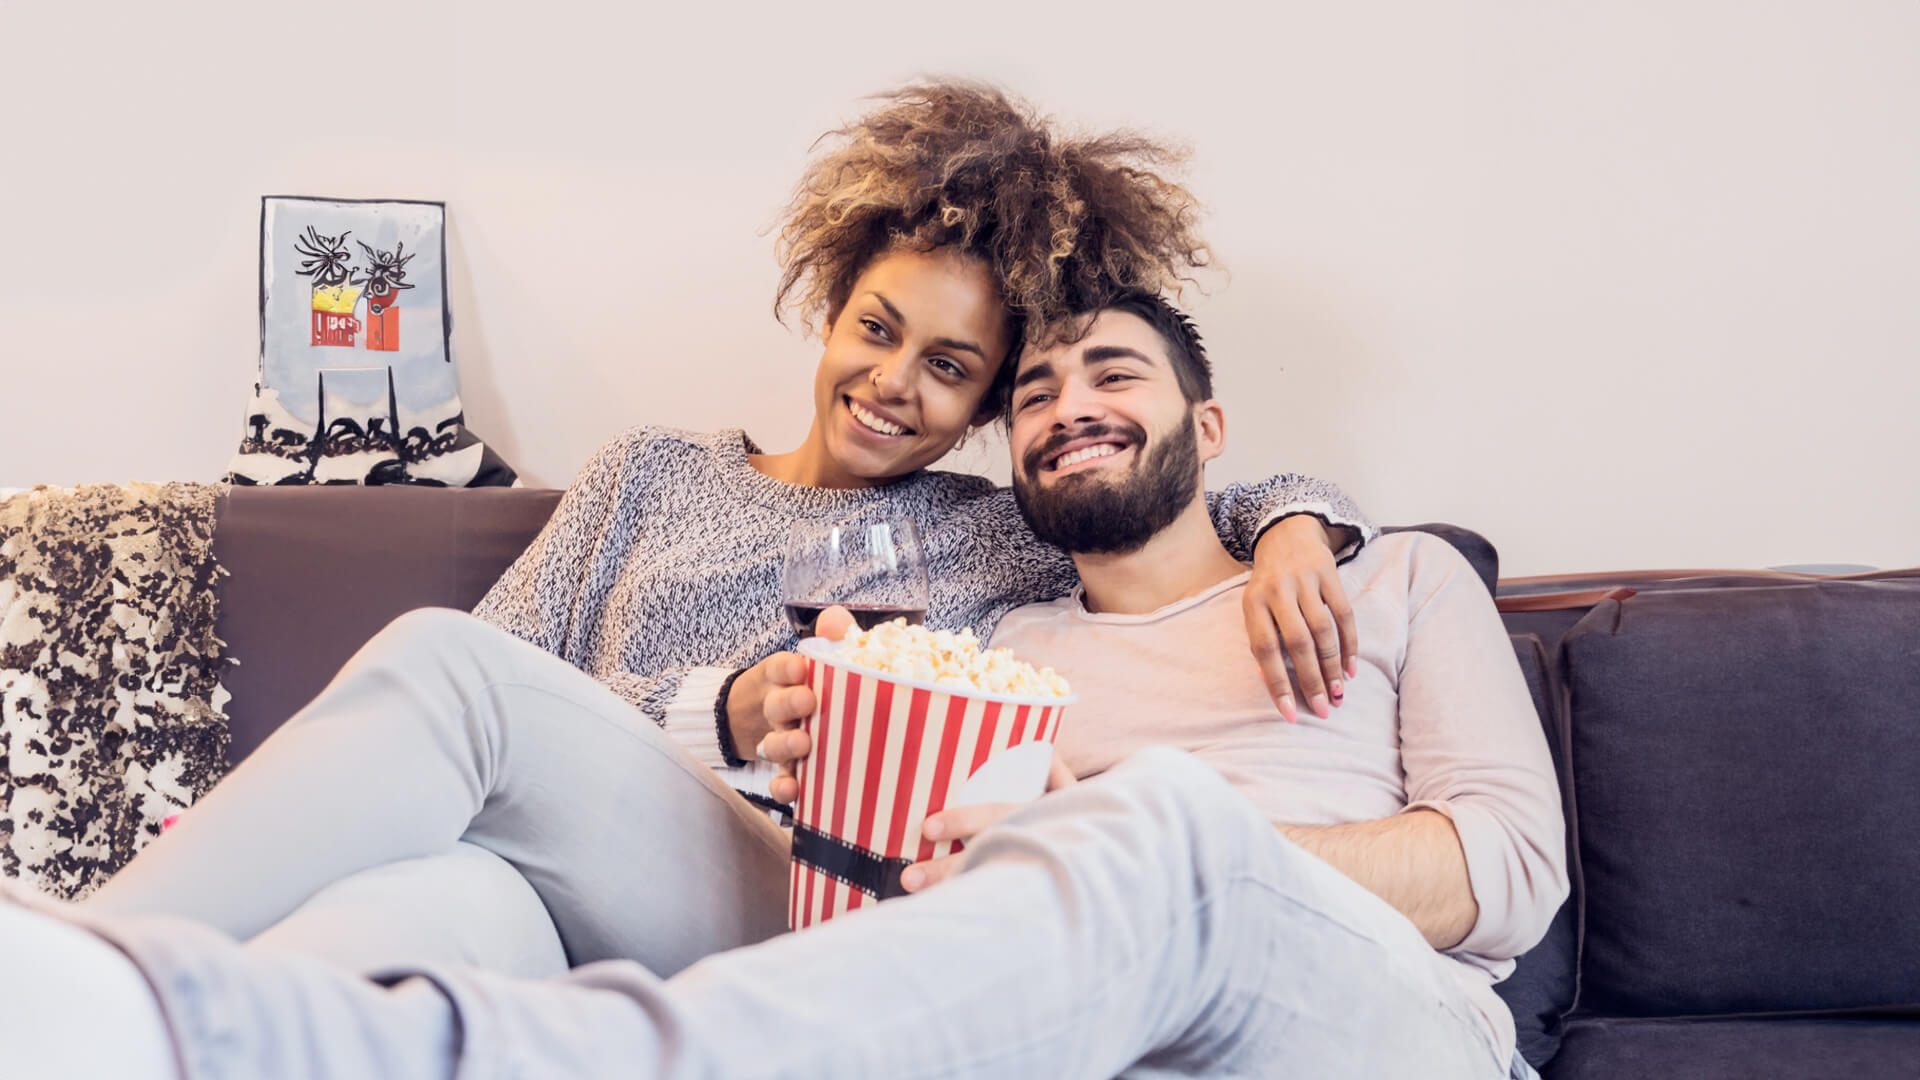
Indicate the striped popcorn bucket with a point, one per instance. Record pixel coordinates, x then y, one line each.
887 752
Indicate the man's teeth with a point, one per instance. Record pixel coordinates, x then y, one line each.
882 426
1086 453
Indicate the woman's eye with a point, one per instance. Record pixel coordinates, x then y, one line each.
948 366
873 327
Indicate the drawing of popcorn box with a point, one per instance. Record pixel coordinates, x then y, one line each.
333 321
383 327
888 752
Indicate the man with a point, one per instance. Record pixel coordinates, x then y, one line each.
1271 901
1432 787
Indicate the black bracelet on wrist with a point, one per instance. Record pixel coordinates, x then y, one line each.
723 727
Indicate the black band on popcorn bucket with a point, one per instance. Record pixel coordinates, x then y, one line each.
849 863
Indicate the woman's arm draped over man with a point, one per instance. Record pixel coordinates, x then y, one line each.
564 592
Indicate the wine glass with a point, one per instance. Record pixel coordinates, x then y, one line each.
874 567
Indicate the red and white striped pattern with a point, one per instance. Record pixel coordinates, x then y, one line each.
884 757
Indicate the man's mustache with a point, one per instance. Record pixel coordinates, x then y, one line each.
1133 433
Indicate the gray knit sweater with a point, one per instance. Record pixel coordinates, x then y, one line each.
659 573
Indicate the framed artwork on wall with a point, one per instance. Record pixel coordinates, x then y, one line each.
356 380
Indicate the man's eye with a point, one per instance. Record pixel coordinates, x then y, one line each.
1034 400
1112 377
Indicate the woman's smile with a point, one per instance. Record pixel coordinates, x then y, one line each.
871 420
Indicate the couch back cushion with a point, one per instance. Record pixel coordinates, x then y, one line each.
1745 764
316 571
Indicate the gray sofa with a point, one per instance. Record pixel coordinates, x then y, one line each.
1739 757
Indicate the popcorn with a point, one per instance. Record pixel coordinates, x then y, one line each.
340 299
945 658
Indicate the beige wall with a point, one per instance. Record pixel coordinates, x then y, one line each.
1626 284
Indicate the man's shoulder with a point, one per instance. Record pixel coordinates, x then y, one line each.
1415 564
1412 551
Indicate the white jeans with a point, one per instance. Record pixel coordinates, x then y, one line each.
1147 923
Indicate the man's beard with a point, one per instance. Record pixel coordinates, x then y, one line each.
1088 514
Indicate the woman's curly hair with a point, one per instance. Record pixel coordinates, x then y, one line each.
1063 222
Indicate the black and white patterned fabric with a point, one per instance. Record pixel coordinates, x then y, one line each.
110 697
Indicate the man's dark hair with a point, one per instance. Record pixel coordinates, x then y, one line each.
1184 348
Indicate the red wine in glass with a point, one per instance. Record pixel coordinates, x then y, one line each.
867 616
876 567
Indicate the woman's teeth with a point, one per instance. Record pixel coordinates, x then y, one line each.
1086 453
867 419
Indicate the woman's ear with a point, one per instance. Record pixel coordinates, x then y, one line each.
1210 429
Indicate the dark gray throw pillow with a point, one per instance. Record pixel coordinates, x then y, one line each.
1746 764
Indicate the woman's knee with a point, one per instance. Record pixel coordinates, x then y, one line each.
426 634
431 626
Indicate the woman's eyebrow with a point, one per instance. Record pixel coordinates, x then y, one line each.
944 342
892 311
960 346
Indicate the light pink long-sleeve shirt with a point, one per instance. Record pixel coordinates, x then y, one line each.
1439 717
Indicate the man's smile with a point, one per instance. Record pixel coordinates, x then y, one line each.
1080 455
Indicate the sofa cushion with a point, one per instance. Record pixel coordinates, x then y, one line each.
1541 989
1744 762
316 571
1772 1049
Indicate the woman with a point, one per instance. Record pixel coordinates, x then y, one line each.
457 794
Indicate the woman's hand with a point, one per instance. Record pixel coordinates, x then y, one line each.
965 823
765 708
786 703
1296 606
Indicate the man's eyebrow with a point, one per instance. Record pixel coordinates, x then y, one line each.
1041 370
1114 352
945 342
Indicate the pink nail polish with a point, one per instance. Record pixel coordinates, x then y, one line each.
1319 706
1338 689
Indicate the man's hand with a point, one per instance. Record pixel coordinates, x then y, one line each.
786 703
965 823
1296 606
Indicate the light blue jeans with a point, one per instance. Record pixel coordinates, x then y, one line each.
1148 923
459 797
